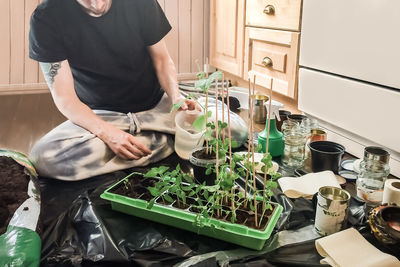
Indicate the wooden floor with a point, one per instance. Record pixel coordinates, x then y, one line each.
26 118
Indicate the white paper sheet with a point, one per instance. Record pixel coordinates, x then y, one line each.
306 186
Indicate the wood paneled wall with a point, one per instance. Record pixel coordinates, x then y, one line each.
18 73
187 42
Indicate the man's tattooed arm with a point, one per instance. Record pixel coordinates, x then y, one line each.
50 71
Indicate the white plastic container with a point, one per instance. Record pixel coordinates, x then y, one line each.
187 138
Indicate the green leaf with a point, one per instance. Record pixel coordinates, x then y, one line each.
168 198
173 189
151 203
153 191
201 84
234 144
208 171
187 188
205 194
252 206
272 184
163 169
151 173
187 178
178 105
201 75
199 123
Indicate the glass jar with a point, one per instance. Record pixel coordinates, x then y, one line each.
295 140
374 169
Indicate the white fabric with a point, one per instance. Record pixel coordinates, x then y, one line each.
348 248
306 186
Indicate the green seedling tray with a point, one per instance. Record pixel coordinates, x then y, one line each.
183 219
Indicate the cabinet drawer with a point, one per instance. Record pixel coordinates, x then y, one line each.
272 55
278 14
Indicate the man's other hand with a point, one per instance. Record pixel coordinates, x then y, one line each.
123 144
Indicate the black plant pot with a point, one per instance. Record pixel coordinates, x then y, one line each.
326 155
200 160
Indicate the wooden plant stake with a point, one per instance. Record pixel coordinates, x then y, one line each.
249 141
207 121
206 71
230 145
266 147
216 137
252 154
223 107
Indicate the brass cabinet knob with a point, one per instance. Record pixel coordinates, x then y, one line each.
267 62
269 10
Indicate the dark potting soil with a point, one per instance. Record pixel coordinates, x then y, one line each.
13 190
201 154
135 187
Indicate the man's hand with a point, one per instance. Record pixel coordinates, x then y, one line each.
123 144
189 104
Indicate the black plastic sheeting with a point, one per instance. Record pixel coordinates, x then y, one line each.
81 229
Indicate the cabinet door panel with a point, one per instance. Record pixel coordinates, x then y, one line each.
226 35
272 55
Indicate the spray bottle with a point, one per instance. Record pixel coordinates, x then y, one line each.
276 143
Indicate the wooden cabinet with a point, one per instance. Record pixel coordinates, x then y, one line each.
277 14
273 55
226 35
245 37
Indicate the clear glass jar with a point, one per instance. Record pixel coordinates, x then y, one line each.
374 169
295 140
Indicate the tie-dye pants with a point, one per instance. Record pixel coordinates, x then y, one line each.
70 152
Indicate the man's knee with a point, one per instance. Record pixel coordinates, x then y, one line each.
48 160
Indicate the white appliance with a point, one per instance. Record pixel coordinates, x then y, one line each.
349 77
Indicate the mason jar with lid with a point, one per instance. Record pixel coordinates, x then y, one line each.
374 169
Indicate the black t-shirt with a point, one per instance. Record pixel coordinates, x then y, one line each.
108 55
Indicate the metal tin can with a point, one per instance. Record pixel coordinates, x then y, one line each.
332 206
259 112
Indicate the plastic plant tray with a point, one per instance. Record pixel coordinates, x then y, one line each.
184 219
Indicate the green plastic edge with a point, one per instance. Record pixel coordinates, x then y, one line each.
20 247
21 159
232 233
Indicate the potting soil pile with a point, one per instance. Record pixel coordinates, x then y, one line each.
80 229
13 190
19 211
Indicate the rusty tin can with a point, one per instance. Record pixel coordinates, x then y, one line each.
332 206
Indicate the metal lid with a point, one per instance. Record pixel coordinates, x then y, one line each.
376 154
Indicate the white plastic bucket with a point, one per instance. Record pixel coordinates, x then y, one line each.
187 138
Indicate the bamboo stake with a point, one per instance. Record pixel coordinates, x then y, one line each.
253 165
206 72
267 144
223 107
230 146
206 120
217 136
249 141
